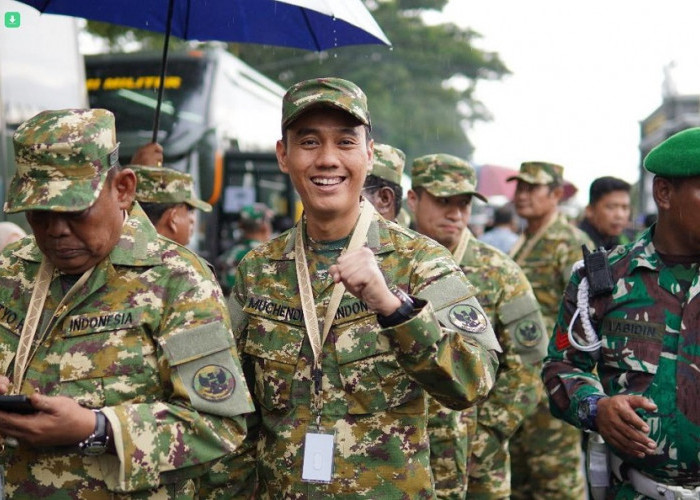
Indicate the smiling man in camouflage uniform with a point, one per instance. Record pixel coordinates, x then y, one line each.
639 388
546 452
130 362
343 415
443 187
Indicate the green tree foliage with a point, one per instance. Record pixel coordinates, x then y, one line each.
414 107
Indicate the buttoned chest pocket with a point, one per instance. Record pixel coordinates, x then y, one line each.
274 349
370 373
104 365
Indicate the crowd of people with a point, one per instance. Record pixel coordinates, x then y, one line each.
374 350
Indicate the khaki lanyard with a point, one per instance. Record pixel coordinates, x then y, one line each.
461 246
358 238
531 243
36 306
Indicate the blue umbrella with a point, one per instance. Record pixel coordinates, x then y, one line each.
306 24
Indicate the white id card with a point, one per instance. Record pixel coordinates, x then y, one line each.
318 458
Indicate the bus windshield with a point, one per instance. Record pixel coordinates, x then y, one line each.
130 89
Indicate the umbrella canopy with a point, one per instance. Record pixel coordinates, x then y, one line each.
305 24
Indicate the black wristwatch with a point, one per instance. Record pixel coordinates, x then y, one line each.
588 411
403 313
96 443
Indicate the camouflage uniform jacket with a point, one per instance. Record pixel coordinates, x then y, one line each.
548 266
140 340
228 262
507 298
650 332
374 379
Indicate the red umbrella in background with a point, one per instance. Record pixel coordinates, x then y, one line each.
492 182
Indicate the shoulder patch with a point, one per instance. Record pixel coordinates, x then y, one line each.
527 333
214 383
468 318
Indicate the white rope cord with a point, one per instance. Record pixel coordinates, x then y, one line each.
592 343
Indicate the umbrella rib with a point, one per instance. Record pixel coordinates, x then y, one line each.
311 31
44 5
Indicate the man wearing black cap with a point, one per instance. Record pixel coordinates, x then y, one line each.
629 368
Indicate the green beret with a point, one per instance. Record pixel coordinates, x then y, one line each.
165 185
444 175
677 156
539 172
329 92
388 163
62 158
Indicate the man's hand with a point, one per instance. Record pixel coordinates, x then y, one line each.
59 421
150 155
359 272
621 427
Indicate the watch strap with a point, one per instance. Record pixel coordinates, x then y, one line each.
402 314
97 442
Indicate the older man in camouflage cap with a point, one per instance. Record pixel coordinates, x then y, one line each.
546 452
120 337
342 401
383 183
460 443
635 379
167 196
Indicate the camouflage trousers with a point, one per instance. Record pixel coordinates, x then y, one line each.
489 463
546 461
448 451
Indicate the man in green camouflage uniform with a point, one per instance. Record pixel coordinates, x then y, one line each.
130 362
639 386
546 452
383 184
255 223
167 196
461 444
346 417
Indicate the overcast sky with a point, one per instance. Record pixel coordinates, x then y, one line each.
584 75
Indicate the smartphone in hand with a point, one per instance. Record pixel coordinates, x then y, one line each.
16 404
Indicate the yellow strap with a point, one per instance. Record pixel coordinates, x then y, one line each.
36 306
462 246
358 238
531 242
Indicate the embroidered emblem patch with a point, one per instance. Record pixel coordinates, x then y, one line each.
527 333
214 383
468 318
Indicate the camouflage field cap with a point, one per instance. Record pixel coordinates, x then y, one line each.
539 172
62 157
444 175
165 185
257 212
334 92
677 156
388 163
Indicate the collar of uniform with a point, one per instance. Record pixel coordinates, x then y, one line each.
139 244
641 253
378 240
